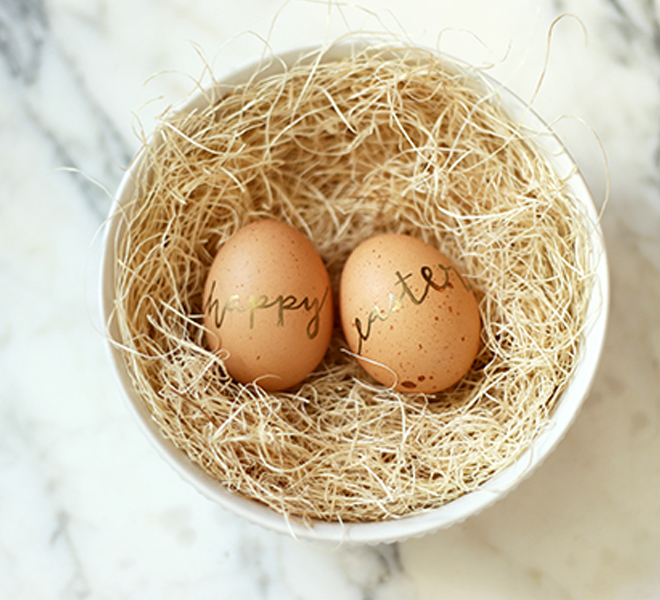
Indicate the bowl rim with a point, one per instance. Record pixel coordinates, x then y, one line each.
456 511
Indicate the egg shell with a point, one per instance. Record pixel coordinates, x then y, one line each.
409 314
268 305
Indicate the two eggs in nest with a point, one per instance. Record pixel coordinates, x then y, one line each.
408 315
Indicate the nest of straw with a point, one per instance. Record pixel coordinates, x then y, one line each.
375 142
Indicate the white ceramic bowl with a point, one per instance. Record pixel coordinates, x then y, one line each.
457 510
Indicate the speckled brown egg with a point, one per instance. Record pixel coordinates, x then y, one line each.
408 314
268 305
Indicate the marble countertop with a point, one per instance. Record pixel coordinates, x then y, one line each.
88 509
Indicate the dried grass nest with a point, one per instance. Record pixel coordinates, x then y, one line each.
377 141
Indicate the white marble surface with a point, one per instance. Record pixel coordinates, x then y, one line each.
88 510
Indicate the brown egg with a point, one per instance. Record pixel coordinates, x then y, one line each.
268 305
409 314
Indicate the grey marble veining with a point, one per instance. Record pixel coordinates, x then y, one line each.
23 29
87 508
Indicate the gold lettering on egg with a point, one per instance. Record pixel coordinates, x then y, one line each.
395 300
262 302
